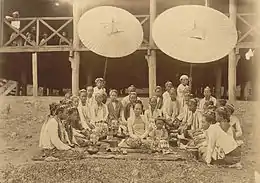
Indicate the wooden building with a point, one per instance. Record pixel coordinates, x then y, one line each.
73 66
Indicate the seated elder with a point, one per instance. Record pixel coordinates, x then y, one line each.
115 114
52 134
99 116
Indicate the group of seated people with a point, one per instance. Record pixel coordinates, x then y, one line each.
172 116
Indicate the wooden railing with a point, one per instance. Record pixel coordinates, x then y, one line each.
47 23
245 20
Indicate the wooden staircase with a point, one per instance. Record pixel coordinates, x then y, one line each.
8 88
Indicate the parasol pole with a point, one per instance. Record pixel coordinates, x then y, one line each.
232 56
105 69
190 82
152 53
75 61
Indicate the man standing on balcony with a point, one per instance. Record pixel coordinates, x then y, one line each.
15 24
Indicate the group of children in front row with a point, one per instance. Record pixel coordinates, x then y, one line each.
175 115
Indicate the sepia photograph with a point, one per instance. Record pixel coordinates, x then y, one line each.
129 91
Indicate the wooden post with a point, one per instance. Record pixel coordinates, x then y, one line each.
152 55
1 22
232 56
75 62
218 81
35 74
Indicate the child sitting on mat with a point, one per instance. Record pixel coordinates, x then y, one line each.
159 136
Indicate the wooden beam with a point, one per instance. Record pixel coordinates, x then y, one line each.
75 62
35 74
1 22
37 32
152 55
232 56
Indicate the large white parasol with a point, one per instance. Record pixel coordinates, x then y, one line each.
195 34
110 32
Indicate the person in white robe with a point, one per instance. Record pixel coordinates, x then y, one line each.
182 89
207 97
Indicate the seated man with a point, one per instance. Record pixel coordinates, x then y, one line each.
115 114
207 97
129 108
99 116
126 99
171 107
159 95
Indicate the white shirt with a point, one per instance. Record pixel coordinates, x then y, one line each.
84 114
171 109
219 142
49 138
16 24
99 113
202 102
166 96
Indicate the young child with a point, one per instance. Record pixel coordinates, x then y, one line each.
166 94
159 135
153 112
207 97
75 101
159 95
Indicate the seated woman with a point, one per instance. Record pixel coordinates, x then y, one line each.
52 135
222 147
99 116
129 108
138 128
159 135
152 113
234 121
115 113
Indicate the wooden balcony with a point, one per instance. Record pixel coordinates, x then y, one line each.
55 25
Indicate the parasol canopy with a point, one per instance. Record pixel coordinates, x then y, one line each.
194 33
110 32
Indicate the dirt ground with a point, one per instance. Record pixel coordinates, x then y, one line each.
20 123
